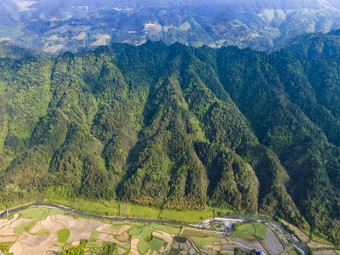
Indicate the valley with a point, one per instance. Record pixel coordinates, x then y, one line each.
61 26
48 229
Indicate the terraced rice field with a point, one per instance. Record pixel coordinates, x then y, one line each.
42 230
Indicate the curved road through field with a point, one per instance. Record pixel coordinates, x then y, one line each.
110 218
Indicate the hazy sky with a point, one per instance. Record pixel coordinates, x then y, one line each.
285 4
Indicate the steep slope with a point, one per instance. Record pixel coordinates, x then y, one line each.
174 127
315 46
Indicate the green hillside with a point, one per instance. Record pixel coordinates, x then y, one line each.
176 127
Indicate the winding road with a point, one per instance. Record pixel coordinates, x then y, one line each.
110 218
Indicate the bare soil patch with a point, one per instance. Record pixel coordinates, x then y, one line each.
134 243
162 235
8 239
189 232
123 237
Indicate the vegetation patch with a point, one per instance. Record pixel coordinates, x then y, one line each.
205 241
187 216
94 236
174 251
32 213
257 230
4 247
39 212
26 227
76 250
156 243
239 234
260 230
53 211
104 207
144 233
143 246
63 235
146 240
135 231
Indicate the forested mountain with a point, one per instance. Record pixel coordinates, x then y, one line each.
74 25
177 127
8 50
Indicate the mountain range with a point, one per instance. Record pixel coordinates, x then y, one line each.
74 25
177 127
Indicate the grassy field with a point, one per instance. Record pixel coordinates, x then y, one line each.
115 208
190 232
26 227
142 233
63 235
191 216
205 241
138 211
239 234
143 247
156 243
94 236
39 213
320 240
95 207
258 230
